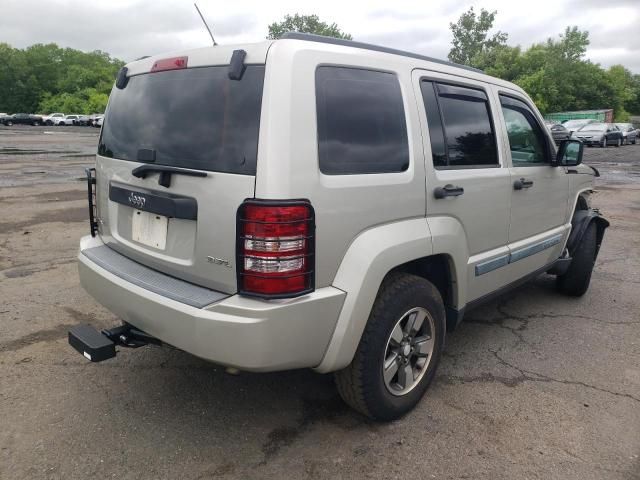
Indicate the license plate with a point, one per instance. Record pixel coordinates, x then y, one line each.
149 229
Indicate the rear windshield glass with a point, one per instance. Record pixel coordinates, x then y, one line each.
193 118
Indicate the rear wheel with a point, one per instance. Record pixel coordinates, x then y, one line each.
575 281
399 350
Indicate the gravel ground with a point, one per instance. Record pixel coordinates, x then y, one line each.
533 385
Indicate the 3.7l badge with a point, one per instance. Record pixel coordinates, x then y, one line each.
219 261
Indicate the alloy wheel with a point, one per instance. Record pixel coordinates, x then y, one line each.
408 351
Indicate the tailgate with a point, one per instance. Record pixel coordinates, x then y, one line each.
177 156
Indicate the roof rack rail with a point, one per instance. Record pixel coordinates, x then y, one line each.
310 37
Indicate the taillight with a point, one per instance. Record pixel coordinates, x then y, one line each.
275 248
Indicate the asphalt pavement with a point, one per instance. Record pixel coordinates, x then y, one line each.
533 385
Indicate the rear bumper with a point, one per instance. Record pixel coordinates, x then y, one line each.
249 334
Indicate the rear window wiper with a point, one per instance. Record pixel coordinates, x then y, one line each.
165 172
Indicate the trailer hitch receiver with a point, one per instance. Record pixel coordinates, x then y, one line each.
97 346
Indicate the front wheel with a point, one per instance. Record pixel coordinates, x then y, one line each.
399 350
575 281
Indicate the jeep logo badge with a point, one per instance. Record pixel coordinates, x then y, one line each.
137 201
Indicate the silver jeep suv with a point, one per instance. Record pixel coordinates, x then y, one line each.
319 203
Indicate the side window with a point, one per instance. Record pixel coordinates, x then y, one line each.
361 122
460 128
436 132
526 139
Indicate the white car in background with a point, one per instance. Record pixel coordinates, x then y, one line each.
629 133
50 119
66 120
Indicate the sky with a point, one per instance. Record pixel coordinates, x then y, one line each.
128 29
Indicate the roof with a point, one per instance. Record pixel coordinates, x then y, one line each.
368 46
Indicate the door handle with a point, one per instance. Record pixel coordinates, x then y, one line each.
522 183
448 191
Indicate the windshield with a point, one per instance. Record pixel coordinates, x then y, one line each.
595 127
193 118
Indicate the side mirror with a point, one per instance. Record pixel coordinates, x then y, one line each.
569 153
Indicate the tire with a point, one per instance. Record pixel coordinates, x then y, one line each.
575 282
36 124
604 142
362 384
49 123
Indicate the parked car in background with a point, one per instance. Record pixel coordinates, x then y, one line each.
67 120
5 119
49 119
98 121
94 119
558 131
629 133
574 125
84 120
25 119
601 134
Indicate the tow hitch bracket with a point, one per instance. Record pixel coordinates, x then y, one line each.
98 346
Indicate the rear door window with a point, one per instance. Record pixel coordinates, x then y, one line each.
460 127
193 118
361 122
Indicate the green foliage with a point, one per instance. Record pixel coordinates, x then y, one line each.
633 105
554 73
622 83
305 24
48 78
470 36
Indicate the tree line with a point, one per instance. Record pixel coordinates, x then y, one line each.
555 73
48 78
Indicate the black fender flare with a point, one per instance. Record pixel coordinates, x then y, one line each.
579 224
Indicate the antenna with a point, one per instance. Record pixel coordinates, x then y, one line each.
205 24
